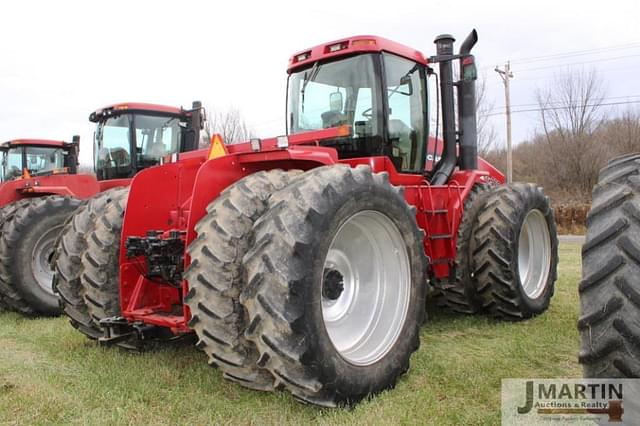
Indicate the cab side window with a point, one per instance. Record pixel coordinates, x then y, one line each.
407 101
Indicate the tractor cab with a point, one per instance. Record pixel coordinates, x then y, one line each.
376 90
38 157
380 96
134 136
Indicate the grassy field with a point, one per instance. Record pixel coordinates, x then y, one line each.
50 374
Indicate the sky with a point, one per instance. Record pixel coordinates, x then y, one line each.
61 60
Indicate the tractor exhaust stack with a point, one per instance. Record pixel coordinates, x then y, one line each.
192 137
74 155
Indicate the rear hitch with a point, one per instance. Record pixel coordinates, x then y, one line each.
119 330
163 253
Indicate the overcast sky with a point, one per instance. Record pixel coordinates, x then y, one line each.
60 60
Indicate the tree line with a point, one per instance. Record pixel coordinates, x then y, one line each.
576 136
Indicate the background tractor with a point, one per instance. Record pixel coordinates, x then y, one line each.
303 261
41 189
609 291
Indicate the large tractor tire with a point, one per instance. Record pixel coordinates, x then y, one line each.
610 288
26 248
336 284
100 276
515 252
460 293
7 213
71 245
216 277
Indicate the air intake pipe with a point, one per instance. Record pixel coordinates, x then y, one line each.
467 105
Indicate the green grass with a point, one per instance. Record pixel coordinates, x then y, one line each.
50 374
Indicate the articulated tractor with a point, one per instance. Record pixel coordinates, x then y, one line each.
303 261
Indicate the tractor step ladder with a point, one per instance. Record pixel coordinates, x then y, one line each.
439 236
439 229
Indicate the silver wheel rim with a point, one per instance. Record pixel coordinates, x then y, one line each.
534 254
40 258
366 318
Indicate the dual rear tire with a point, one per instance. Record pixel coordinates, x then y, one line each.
68 269
515 252
507 254
302 313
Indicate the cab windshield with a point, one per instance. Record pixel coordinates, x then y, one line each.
335 94
35 159
152 136
381 97
11 163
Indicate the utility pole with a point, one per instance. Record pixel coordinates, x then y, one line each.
507 75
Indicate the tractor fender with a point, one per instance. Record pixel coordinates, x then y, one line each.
217 174
77 186
494 174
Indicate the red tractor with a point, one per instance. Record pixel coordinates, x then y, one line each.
41 189
303 261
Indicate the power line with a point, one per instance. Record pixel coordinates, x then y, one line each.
566 107
608 71
502 107
615 58
574 53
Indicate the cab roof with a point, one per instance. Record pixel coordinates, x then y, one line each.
350 46
134 107
34 142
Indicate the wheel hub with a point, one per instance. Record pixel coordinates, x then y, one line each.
366 287
332 284
534 254
41 256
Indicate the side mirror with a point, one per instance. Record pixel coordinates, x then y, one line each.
406 81
336 102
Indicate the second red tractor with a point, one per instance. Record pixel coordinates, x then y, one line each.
41 188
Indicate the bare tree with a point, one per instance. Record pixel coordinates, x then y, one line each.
86 169
622 134
487 134
570 113
229 124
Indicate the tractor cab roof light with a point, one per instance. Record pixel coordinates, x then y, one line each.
336 47
282 142
302 56
256 144
363 42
